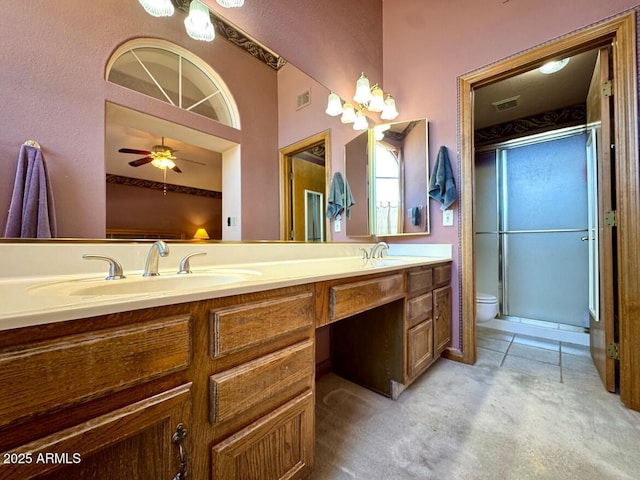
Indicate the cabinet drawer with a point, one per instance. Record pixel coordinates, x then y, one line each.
109 446
442 275
244 326
246 387
419 280
419 308
280 445
71 369
351 298
420 348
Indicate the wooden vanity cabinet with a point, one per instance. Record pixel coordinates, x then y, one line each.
428 317
261 390
83 401
216 389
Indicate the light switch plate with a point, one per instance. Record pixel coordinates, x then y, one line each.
337 225
447 218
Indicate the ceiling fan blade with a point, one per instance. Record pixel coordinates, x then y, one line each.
141 161
137 152
176 169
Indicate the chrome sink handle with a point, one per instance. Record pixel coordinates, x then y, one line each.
365 255
158 249
115 269
184 263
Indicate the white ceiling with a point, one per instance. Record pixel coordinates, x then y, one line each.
538 93
198 154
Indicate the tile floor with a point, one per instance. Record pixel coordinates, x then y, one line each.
550 359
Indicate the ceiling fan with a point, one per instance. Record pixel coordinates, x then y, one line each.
160 156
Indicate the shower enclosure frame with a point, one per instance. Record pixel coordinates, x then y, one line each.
502 206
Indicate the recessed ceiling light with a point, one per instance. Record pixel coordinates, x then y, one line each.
553 67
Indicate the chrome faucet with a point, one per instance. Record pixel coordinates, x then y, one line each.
185 267
158 249
378 249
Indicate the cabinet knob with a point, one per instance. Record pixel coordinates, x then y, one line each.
178 438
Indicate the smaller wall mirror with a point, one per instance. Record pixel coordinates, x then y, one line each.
389 168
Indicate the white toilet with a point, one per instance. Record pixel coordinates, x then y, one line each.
486 307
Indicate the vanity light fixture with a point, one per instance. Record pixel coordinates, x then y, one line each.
334 105
158 8
553 67
198 22
230 3
366 97
348 113
360 122
389 112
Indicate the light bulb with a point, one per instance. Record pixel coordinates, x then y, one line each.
334 105
377 100
363 90
361 121
348 113
158 8
198 23
389 112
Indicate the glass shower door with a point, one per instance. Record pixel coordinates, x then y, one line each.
544 216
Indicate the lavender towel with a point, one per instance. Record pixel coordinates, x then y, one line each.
31 213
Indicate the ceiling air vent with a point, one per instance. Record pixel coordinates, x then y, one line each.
506 104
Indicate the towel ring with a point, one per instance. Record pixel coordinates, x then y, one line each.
32 143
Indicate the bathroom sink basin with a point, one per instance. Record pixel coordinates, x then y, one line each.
137 285
386 262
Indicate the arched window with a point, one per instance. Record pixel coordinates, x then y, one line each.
170 73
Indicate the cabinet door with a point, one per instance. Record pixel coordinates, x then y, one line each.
442 318
135 442
278 446
419 347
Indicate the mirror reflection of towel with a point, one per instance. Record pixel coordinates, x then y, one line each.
31 213
442 185
340 198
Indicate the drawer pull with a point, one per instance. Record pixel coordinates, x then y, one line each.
178 438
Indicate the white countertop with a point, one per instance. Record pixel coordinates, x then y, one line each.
40 299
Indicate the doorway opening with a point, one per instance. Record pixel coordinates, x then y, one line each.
531 234
303 185
620 33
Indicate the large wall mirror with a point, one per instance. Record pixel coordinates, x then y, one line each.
226 147
387 168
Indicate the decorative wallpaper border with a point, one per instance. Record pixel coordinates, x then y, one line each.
138 182
560 118
240 39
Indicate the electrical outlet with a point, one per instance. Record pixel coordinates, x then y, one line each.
337 225
447 218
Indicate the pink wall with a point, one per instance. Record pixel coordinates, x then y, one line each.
427 47
333 41
52 90
138 208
